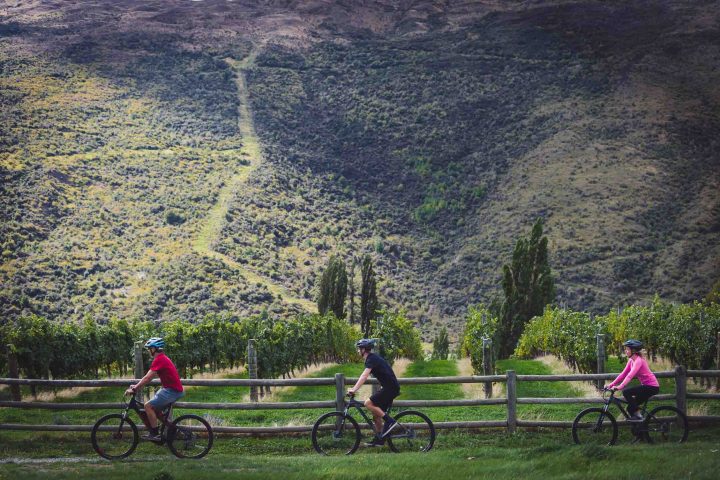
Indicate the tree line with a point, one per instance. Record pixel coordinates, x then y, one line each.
47 349
685 334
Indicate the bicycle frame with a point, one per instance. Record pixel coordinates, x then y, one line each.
360 407
164 417
611 399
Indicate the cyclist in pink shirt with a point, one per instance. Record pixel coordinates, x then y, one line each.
636 367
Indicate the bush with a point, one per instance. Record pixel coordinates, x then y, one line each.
398 336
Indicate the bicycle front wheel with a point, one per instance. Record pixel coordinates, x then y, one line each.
336 434
114 437
666 424
414 432
190 436
595 426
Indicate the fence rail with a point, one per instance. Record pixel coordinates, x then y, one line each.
511 379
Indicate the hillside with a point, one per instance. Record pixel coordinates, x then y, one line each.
167 159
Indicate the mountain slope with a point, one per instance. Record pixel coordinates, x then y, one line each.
429 134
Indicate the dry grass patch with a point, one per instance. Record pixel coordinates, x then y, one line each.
475 390
560 368
276 391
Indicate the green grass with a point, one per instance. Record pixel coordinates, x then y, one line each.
433 368
456 455
548 451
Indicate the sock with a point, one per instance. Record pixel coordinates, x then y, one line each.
154 431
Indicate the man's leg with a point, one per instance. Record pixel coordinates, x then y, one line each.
377 414
151 415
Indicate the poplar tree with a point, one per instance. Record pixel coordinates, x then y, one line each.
528 286
333 288
351 292
368 296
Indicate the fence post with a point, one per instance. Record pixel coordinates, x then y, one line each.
339 391
252 368
681 388
600 359
14 372
487 365
511 388
139 371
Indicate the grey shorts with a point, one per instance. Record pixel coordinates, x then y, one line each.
164 397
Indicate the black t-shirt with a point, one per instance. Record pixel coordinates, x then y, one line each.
382 371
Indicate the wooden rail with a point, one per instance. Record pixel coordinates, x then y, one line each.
511 423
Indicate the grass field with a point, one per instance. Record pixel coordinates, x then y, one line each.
457 454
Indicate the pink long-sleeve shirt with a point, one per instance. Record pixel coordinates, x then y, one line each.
636 367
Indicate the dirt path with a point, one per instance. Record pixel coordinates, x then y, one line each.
251 151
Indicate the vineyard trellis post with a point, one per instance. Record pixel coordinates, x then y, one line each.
252 368
487 364
600 358
511 395
681 388
339 391
375 386
139 371
717 360
14 372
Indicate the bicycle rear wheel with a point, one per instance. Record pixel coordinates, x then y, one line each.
114 437
336 434
594 426
190 436
666 424
414 432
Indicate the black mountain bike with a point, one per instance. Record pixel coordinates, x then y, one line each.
664 424
338 433
115 436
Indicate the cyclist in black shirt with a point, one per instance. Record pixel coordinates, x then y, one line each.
382 400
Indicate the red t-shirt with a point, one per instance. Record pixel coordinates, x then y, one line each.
167 372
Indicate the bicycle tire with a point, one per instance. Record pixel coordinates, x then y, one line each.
190 436
343 438
589 427
109 439
666 424
414 432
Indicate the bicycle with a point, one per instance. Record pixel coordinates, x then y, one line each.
115 436
664 424
338 433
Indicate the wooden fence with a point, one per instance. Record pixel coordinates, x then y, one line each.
340 382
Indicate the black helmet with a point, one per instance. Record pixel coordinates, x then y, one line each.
365 343
633 344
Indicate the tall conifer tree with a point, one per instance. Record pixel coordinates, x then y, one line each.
528 286
333 288
368 296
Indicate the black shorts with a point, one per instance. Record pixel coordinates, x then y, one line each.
383 398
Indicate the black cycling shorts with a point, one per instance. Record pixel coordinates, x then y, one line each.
383 398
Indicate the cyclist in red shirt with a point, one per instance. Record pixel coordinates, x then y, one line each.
171 391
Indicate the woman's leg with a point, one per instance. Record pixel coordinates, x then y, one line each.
637 395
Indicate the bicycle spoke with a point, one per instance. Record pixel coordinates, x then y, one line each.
113 437
335 434
190 436
666 425
414 432
593 426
